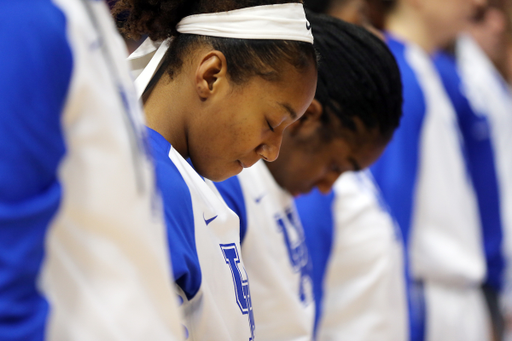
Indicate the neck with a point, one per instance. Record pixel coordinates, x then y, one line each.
165 115
408 24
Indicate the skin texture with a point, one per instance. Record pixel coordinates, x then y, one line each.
307 160
223 126
360 12
352 11
431 24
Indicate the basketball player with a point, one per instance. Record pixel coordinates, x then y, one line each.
220 95
82 251
358 261
424 179
481 57
480 157
355 246
355 111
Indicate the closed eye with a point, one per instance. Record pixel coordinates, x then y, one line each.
270 126
335 168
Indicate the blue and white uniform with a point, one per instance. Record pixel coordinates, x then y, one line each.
275 255
82 235
425 181
489 95
480 157
204 240
358 264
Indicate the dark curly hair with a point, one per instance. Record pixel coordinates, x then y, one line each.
357 77
245 57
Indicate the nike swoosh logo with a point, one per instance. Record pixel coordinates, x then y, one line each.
208 221
258 199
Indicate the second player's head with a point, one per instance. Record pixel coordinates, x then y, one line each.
356 109
224 101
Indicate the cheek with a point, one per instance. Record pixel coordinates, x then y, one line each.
315 169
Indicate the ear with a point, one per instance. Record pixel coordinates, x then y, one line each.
210 73
309 122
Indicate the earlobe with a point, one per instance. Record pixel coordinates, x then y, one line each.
210 73
310 121
314 111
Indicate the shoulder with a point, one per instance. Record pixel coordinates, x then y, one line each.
174 189
35 68
179 217
34 36
413 94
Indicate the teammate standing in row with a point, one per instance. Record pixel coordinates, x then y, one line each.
82 235
219 94
424 178
355 244
357 107
481 58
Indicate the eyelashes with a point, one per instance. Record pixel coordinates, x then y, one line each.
270 126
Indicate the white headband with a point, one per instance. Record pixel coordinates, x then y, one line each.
280 22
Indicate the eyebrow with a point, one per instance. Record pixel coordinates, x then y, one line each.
354 164
290 110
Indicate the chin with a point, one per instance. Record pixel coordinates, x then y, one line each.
220 176
295 192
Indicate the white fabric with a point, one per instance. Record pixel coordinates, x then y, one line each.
279 22
456 313
140 58
489 95
364 290
106 272
145 62
213 313
446 242
279 313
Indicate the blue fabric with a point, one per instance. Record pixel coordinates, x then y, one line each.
479 154
396 171
35 71
417 310
233 195
179 217
315 212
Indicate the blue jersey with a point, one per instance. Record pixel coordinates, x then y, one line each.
275 255
490 96
430 192
204 241
479 153
82 248
358 270
425 179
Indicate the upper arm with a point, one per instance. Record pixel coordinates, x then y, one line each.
35 72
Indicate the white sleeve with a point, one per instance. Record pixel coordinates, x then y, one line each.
365 296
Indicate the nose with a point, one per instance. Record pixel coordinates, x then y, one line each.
325 185
269 150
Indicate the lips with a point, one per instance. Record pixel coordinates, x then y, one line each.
248 164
